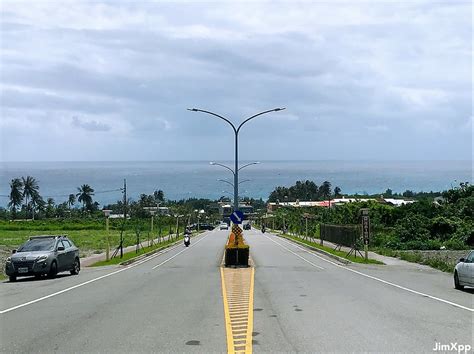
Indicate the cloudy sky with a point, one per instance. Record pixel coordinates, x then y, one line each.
89 80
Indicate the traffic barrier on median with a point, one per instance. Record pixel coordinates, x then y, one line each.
236 251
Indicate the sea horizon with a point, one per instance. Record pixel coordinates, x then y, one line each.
182 179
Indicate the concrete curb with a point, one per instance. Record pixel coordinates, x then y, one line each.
337 258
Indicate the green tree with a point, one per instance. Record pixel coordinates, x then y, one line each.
325 190
37 203
413 231
159 196
16 195
50 208
30 187
71 200
85 196
337 192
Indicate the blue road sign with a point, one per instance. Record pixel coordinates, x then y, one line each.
237 217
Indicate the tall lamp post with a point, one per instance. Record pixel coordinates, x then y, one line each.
107 246
236 169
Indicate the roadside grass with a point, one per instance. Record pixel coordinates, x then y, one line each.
334 252
417 257
132 254
86 240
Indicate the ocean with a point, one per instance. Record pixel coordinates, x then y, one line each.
185 179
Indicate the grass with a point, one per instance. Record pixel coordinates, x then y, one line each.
85 240
334 252
416 257
130 255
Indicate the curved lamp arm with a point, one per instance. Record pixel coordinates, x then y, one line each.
223 180
219 164
215 115
256 115
249 164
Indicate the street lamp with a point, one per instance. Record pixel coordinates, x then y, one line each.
230 183
236 130
231 170
107 246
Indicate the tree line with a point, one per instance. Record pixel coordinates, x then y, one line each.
25 197
437 219
25 201
304 190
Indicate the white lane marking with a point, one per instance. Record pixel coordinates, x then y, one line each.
383 281
297 255
93 280
177 254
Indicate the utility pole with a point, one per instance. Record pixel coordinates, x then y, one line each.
124 215
124 199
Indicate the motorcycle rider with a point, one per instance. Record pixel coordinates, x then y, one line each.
187 237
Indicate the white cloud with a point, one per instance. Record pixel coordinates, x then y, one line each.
128 71
90 125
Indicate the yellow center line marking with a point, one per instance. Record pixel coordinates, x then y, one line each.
237 293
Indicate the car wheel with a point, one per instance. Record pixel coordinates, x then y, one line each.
53 270
38 276
76 267
457 285
12 278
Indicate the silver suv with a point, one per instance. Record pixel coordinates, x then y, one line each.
43 255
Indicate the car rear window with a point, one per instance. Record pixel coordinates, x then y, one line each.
38 244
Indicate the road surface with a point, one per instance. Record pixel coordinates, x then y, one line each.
172 302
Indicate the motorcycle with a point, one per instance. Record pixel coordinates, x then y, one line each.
263 229
187 240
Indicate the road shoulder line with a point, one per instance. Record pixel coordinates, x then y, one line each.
384 281
147 259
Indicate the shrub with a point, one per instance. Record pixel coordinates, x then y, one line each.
413 228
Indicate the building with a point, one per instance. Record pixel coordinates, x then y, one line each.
334 202
226 209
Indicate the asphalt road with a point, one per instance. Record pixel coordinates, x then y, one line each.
172 302
169 303
307 303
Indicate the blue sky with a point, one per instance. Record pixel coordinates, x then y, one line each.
89 80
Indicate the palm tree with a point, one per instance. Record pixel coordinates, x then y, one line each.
49 207
16 194
37 202
30 187
71 200
85 196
